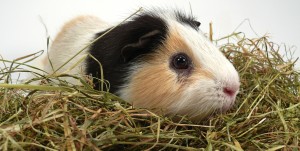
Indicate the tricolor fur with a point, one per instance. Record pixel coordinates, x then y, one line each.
138 60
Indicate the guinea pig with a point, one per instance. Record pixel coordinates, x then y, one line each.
159 60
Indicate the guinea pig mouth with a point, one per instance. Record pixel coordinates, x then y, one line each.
226 105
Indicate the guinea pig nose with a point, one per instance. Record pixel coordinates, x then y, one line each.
230 91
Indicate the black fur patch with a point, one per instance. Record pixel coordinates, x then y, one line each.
123 47
188 19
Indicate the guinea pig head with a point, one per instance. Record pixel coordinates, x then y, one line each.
185 74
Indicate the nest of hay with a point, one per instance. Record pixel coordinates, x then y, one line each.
61 116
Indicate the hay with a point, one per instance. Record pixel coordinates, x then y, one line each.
61 116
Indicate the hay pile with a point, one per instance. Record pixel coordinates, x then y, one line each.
61 116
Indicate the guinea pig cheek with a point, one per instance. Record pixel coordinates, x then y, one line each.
198 95
155 87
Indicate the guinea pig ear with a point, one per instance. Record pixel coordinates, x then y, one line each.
144 43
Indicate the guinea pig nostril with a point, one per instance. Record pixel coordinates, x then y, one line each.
229 91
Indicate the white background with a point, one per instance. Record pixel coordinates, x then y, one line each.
22 32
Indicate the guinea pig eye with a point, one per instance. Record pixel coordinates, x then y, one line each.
181 61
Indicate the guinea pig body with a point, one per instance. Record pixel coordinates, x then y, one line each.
158 60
